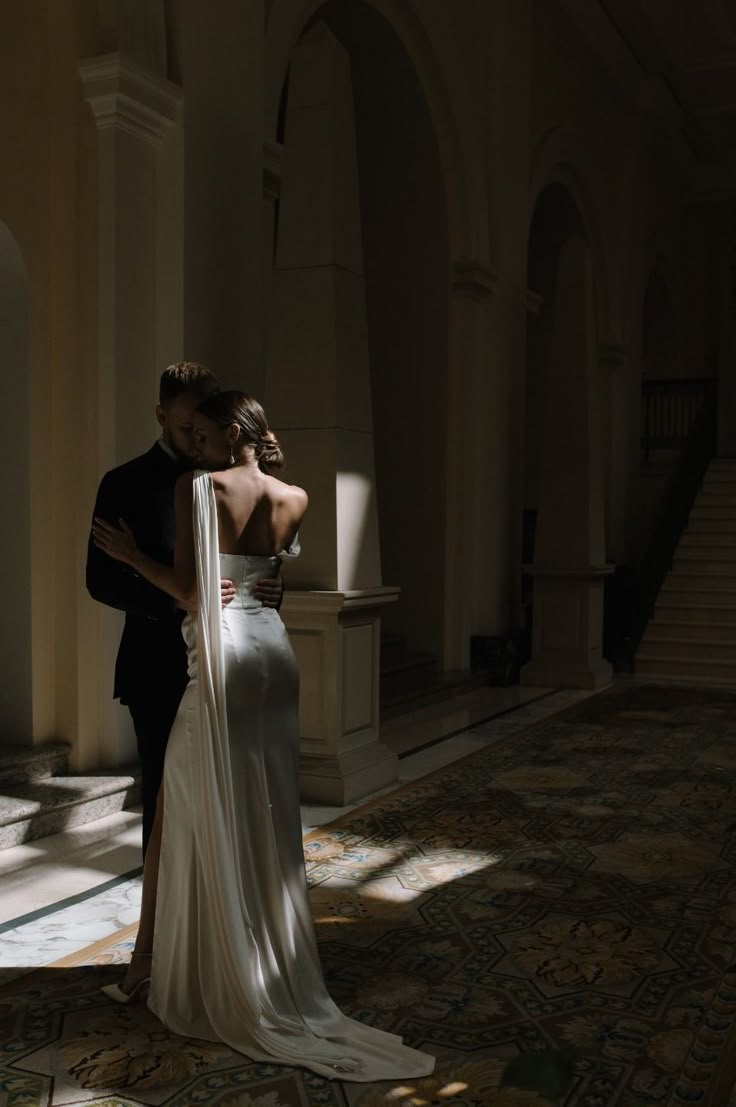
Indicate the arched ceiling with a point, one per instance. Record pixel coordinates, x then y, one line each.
685 54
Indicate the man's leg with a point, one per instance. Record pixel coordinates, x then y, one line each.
152 720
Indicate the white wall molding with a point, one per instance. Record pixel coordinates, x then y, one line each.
126 97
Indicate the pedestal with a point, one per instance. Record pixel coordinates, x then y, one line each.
568 629
336 638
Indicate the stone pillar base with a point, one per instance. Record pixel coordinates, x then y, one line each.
568 629
336 638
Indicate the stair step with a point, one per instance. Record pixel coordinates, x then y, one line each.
37 808
669 630
708 525
679 581
700 680
445 687
725 499
719 486
696 598
698 613
695 561
688 649
393 648
413 672
693 671
23 763
696 539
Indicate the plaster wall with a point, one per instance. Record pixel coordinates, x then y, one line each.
47 206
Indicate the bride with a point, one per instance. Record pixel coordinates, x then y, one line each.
226 937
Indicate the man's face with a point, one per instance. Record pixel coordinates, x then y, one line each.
177 425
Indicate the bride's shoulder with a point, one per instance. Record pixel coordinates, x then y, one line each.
287 493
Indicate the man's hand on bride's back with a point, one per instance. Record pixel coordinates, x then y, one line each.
228 592
269 591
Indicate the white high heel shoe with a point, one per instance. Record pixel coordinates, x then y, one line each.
115 992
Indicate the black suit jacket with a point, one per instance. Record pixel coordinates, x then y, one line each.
152 659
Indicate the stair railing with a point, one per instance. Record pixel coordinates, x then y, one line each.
670 410
676 413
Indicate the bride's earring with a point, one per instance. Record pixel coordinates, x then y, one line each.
232 458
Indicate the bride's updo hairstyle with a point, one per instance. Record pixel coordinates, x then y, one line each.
226 408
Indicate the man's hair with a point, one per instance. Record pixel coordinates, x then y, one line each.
189 377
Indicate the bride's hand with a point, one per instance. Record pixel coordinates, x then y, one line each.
117 542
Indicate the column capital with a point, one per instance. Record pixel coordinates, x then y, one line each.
473 279
611 356
125 97
273 157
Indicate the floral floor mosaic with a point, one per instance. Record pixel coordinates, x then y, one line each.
553 917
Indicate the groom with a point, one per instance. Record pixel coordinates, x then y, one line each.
151 665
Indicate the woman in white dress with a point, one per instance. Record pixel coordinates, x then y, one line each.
226 934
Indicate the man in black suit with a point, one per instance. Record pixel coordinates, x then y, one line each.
151 665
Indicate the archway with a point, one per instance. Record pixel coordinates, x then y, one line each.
563 520
405 257
16 690
427 35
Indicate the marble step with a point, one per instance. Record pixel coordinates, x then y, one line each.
23 763
709 540
719 486
443 689
699 559
696 613
678 594
412 672
707 513
690 671
37 808
706 648
703 583
716 496
708 631
686 675
393 648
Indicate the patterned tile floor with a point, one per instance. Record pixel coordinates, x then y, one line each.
599 918
59 894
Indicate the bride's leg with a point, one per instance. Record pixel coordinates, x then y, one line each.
140 964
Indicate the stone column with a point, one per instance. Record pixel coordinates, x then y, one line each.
222 73
570 566
469 547
727 343
16 568
620 392
318 399
134 110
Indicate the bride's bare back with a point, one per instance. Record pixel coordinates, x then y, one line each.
258 515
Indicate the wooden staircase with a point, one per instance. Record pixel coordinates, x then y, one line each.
692 636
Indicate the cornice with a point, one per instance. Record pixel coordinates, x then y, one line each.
126 97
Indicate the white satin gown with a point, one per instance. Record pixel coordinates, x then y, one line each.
235 956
